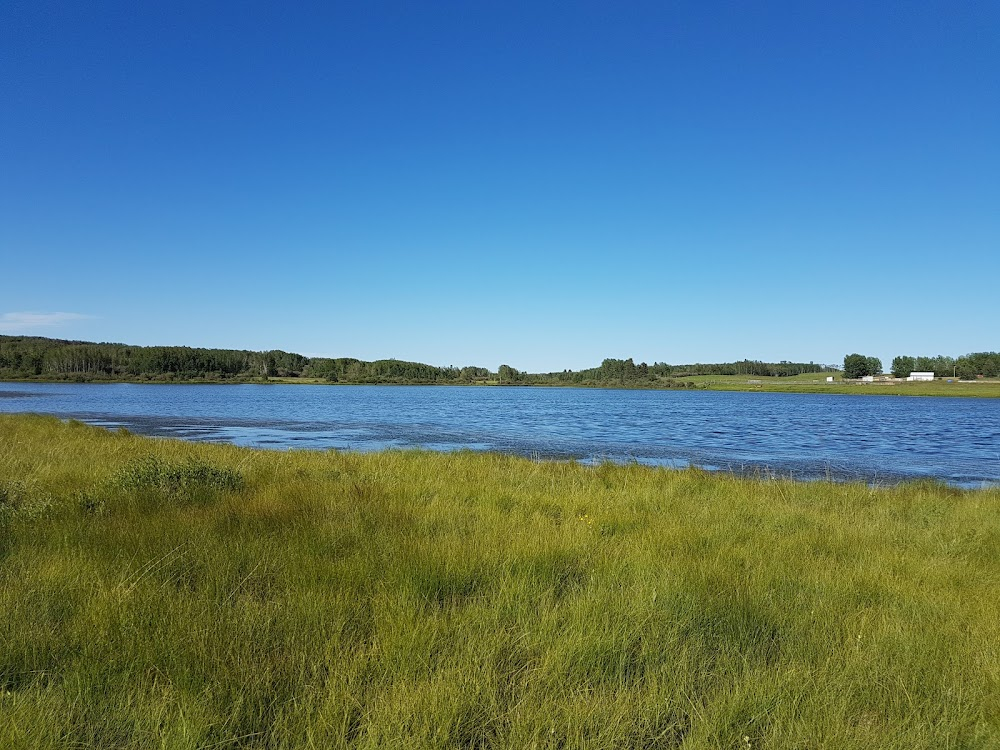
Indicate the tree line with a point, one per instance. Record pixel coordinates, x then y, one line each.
626 371
349 370
32 356
44 358
56 359
966 367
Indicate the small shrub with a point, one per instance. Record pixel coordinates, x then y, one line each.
10 494
191 477
89 503
21 500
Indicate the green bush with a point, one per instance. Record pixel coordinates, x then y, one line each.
176 479
20 499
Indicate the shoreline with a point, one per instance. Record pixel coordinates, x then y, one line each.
931 389
744 470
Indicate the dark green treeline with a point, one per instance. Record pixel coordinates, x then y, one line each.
966 367
627 372
32 357
36 357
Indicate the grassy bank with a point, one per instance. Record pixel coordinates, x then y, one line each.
164 594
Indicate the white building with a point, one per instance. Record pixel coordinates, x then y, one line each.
829 378
867 378
921 376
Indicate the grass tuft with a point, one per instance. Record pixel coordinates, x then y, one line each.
185 479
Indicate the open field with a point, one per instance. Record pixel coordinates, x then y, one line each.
816 383
807 383
166 594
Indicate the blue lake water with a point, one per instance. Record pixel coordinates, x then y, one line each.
872 438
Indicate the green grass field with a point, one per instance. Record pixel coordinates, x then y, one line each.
816 383
162 594
807 383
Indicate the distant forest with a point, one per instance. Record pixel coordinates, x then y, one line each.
625 371
37 358
966 367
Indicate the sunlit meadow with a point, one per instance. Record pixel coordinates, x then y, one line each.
158 593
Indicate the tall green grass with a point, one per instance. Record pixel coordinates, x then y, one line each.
162 594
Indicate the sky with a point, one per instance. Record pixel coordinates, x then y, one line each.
531 183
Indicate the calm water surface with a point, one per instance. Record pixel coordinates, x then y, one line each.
874 438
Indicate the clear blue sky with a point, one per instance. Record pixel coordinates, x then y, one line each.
541 184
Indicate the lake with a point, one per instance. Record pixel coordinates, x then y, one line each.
872 438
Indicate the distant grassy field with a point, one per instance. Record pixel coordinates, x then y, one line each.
808 383
157 593
816 383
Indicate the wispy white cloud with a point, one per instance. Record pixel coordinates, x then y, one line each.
21 322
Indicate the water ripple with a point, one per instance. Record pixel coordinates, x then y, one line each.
870 438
